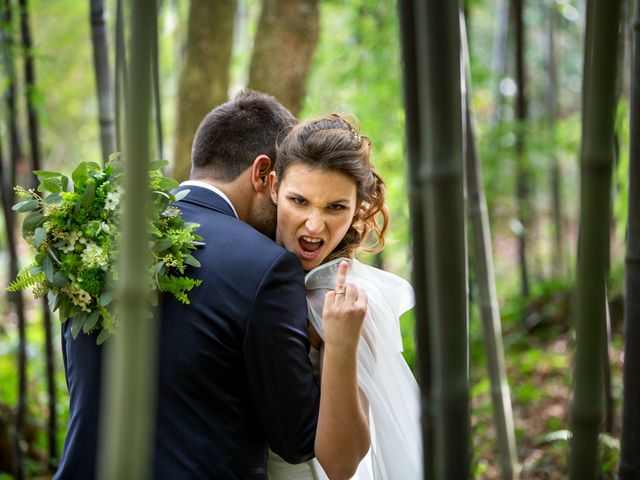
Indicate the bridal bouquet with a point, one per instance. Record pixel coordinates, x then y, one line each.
74 227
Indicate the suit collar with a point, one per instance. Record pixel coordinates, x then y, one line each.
208 198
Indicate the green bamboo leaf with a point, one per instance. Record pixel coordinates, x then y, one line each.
106 297
26 206
79 175
31 221
190 260
77 324
181 194
40 236
47 267
91 322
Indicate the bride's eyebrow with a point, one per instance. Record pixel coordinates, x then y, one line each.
293 193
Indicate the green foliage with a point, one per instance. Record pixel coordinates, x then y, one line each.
73 226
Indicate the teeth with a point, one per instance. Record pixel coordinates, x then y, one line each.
311 240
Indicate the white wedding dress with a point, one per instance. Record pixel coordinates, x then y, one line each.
383 377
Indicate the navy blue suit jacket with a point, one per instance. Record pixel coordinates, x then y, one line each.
234 373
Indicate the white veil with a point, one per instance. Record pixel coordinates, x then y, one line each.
383 375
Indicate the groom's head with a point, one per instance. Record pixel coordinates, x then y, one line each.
235 149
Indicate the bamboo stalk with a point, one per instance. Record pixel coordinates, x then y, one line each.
130 376
523 187
441 185
34 141
598 115
407 16
488 298
157 104
630 438
104 89
15 154
121 75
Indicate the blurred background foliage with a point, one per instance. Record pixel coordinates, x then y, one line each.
357 69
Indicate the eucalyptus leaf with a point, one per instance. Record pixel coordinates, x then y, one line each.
106 297
190 260
158 164
181 194
77 324
53 198
26 206
103 337
168 183
59 280
54 185
79 175
162 244
40 235
45 174
47 267
64 308
91 322
54 300
31 221
89 194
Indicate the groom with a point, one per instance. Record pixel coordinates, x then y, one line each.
234 373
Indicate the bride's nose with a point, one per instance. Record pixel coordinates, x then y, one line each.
314 223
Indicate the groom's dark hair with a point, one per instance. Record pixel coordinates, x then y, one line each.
233 134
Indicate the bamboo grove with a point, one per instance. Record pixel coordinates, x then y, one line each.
444 191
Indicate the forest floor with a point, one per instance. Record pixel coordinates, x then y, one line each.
538 355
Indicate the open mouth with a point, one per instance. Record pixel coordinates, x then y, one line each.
310 246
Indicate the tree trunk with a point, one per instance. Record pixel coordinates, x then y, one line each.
499 55
104 87
555 172
598 119
523 186
488 298
285 41
15 156
204 81
630 439
130 376
442 196
34 141
407 14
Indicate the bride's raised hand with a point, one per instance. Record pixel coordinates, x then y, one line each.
343 313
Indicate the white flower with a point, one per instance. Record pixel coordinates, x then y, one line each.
94 256
113 199
71 242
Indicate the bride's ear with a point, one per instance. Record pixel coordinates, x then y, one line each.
260 170
273 186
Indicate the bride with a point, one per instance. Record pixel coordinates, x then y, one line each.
329 200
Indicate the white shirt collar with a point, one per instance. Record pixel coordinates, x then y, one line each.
208 186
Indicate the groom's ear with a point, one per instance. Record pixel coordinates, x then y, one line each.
260 170
273 186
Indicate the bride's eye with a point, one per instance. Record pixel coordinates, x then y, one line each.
336 207
298 200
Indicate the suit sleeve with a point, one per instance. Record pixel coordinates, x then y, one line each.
276 350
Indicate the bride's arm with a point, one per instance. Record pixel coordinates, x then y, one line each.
342 437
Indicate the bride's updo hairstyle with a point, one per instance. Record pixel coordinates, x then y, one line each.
332 143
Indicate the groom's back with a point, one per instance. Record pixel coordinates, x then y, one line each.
233 366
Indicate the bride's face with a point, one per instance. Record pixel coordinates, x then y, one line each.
315 210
